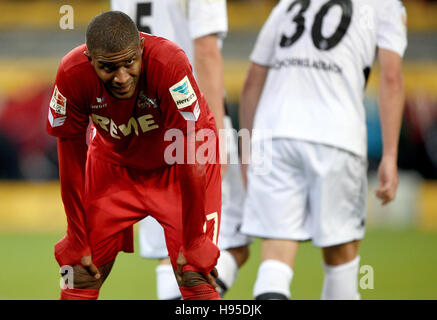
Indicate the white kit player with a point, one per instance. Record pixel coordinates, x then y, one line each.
198 27
306 83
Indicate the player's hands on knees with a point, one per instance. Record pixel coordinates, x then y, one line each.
89 266
202 254
210 277
388 180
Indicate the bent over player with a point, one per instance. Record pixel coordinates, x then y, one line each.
144 157
198 27
306 83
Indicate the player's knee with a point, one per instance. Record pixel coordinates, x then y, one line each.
341 254
240 254
82 279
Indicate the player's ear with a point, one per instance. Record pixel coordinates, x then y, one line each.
142 45
87 54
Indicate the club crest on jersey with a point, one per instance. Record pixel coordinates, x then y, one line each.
58 102
100 103
145 102
183 93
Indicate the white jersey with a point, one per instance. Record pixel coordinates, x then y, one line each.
320 53
180 21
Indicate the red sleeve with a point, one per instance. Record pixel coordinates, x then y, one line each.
181 103
72 159
198 249
67 116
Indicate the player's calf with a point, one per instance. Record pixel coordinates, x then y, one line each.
273 281
229 262
166 285
341 281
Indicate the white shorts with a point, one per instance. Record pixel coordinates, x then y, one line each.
312 191
151 234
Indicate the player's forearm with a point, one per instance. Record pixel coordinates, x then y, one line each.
252 89
208 64
391 106
72 159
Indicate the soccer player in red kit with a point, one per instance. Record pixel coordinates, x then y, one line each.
145 105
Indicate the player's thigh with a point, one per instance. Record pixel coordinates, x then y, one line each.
276 200
113 204
338 193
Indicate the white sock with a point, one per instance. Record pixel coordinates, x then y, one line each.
166 284
341 282
227 269
273 280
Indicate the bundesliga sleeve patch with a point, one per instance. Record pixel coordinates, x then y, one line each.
58 102
183 93
56 121
58 109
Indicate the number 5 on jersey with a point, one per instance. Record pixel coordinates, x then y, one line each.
144 10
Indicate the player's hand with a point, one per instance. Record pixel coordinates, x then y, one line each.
388 180
88 264
210 277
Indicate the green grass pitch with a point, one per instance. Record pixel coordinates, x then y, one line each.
403 261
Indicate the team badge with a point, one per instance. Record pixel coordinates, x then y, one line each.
145 102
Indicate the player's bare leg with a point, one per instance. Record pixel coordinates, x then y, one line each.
228 264
341 264
85 285
240 254
166 285
276 270
341 254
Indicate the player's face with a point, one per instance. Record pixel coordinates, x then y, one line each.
119 71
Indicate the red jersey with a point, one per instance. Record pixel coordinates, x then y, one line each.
129 132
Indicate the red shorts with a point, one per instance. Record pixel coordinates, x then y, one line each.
116 197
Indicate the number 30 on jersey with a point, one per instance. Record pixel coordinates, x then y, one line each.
321 42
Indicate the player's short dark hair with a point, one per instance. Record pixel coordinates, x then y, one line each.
111 31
